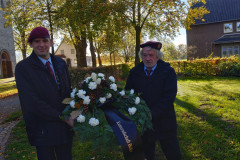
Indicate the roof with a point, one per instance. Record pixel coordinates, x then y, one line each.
228 38
220 11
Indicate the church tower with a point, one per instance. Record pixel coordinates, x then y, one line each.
7 50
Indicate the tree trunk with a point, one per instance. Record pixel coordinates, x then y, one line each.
111 58
83 49
92 50
50 24
24 45
137 48
99 59
77 47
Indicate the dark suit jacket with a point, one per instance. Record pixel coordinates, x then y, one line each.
159 92
41 98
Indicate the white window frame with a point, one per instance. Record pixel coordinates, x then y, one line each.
227 51
238 28
226 31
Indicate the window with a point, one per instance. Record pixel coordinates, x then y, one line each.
228 51
238 26
72 51
228 27
62 51
236 50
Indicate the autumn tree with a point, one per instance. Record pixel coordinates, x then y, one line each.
47 14
20 15
160 17
82 19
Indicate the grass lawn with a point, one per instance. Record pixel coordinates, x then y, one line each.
8 89
208 115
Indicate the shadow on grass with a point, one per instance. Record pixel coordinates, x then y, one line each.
208 78
219 125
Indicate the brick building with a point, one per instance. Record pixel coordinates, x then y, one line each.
219 33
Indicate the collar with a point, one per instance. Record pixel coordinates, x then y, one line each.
152 68
44 61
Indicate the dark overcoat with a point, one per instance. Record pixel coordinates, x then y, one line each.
159 92
40 99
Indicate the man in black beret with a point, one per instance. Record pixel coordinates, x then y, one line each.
43 82
157 83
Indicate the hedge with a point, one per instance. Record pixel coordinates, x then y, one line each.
77 75
198 67
208 67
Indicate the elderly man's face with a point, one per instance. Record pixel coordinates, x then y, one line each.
41 47
149 57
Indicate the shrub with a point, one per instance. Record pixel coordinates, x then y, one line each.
207 67
77 75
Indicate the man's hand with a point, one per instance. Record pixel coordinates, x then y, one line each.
70 121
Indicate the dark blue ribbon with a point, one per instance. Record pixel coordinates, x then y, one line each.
126 133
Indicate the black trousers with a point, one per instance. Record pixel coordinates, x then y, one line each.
170 147
58 152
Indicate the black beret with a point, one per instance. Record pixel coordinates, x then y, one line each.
152 44
38 32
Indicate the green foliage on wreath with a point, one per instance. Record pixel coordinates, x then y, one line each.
97 91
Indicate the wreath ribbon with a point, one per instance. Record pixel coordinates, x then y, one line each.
126 133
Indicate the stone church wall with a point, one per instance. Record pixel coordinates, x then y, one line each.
6 41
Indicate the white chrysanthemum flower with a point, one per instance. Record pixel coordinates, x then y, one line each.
74 90
81 93
132 91
132 110
92 85
86 100
111 78
109 95
93 122
81 118
87 79
113 87
101 75
102 99
137 100
94 76
122 93
98 81
72 104
72 95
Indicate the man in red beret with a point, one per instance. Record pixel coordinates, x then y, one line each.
43 82
157 83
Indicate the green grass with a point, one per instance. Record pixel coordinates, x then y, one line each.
208 115
8 89
14 116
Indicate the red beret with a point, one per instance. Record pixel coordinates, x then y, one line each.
152 44
38 32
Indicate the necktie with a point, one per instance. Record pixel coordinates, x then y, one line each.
149 72
50 69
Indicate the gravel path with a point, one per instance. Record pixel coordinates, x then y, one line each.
7 106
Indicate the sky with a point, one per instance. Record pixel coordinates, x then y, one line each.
181 37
